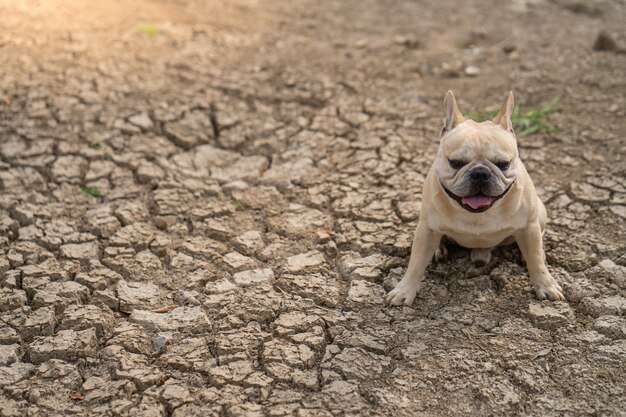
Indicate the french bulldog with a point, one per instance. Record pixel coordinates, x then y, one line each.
479 195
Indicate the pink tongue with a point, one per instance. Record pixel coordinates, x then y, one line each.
477 201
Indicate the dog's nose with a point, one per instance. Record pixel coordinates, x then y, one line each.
480 174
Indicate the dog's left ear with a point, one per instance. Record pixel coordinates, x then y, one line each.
503 118
453 113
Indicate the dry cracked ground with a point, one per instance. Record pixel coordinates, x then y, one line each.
203 203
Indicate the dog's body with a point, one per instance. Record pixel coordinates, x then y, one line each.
478 194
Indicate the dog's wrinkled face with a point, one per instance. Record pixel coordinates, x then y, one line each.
477 163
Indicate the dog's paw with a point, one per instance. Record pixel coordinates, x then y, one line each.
402 294
441 253
549 289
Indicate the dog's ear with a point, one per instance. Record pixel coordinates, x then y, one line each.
453 113
503 118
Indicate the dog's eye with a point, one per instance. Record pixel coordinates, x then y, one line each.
503 165
457 163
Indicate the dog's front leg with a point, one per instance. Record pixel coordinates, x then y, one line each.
425 242
530 243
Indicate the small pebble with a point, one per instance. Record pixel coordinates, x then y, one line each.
471 71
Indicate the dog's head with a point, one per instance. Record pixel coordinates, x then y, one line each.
477 163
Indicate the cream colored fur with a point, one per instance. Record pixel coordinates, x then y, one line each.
518 215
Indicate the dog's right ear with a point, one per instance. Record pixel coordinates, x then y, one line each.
503 118
453 113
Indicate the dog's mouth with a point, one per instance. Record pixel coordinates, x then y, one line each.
476 203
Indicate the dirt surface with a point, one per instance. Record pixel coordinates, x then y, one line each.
203 204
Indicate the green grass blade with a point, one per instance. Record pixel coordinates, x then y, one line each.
528 122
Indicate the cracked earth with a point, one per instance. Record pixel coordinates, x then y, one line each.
203 204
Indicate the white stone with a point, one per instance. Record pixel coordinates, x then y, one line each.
9 354
253 277
303 261
471 71
182 319
141 120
